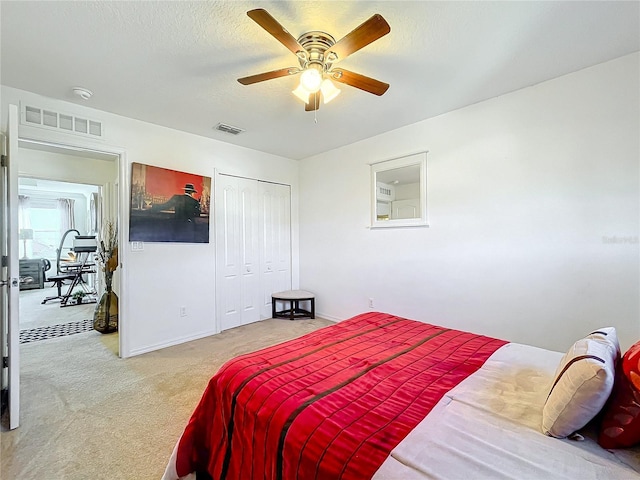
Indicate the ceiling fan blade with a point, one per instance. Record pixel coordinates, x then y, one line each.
314 102
362 82
261 77
361 36
271 25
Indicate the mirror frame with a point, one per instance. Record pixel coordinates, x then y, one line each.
419 159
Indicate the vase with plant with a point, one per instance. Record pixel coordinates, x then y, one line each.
105 316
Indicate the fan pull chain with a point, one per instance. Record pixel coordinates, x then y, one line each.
315 112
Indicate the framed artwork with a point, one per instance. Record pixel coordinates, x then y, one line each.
168 206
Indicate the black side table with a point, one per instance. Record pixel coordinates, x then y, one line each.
293 297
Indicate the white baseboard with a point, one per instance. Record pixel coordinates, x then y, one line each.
328 317
189 338
171 343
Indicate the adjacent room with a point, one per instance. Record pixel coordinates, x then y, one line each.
50 212
341 239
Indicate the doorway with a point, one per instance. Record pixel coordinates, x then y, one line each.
48 209
74 191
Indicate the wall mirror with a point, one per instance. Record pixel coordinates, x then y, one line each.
399 192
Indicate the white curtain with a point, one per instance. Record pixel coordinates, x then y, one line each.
67 217
95 211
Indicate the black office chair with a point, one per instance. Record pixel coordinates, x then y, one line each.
46 266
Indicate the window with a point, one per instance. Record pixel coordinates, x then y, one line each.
45 221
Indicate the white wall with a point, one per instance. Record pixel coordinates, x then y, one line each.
165 276
65 168
86 175
525 193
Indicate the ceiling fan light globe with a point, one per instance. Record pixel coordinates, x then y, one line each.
301 93
310 80
329 90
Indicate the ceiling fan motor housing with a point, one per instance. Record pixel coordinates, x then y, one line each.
315 43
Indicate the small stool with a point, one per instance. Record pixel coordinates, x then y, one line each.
294 297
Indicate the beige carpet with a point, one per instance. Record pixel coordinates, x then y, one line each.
34 314
86 414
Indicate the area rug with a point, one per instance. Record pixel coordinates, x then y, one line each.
52 331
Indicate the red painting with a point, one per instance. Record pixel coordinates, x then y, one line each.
168 206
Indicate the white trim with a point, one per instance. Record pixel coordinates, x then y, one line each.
396 163
13 274
401 157
51 139
329 317
54 111
171 343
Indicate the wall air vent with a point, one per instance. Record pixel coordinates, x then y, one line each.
61 122
223 127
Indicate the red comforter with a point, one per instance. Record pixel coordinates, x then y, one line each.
331 404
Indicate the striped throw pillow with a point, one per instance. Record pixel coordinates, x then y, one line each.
582 384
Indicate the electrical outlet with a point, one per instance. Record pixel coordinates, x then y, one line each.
183 311
371 303
137 246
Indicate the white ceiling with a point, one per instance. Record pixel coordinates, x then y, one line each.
176 63
33 186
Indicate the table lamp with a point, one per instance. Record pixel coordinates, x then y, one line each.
25 234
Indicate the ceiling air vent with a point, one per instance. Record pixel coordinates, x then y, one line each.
223 127
52 120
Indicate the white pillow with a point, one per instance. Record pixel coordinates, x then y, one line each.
608 334
582 385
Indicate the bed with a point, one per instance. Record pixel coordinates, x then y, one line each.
384 397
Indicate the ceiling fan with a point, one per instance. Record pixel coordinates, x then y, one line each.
317 52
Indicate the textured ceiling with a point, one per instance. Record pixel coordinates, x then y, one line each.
176 63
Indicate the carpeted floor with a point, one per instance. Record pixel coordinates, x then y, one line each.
86 414
35 314
40 321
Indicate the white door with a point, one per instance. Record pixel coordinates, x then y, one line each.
228 255
275 248
237 251
405 209
249 250
9 306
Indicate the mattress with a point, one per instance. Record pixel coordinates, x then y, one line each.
488 427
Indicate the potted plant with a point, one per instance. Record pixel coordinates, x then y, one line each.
77 296
105 316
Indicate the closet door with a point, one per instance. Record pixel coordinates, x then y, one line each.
228 255
237 249
275 247
249 250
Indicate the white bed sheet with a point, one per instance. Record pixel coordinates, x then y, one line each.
488 427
